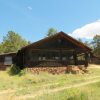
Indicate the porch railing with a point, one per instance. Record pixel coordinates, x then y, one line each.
53 63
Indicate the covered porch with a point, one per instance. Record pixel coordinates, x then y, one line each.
55 58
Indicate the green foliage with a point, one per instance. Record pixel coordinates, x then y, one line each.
80 96
51 32
1 48
87 43
96 43
96 39
80 40
12 42
14 70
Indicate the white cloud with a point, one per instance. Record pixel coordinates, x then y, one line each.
29 8
88 31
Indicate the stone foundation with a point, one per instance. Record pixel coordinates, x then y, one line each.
2 67
55 70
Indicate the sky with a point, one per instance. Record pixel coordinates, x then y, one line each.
32 18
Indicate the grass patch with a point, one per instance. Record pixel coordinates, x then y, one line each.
28 84
88 92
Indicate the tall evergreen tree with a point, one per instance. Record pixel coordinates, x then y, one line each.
1 48
12 42
96 45
51 32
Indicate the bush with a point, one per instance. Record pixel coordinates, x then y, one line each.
22 72
14 70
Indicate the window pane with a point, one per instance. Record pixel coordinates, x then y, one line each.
8 61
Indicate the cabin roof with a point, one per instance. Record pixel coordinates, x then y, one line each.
10 53
59 34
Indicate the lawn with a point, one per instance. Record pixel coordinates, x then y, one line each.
51 87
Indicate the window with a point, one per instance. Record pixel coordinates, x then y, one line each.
63 58
8 60
81 58
40 58
56 58
44 58
71 58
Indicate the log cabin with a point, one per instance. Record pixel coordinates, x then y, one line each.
57 51
6 60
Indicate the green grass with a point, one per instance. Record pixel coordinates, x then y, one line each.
89 92
29 84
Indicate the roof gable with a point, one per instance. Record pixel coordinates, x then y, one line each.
59 35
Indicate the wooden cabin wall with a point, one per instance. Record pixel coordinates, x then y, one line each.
2 67
2 60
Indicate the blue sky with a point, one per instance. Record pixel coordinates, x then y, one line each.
32 18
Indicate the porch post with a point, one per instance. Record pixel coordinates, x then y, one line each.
86 59
75 57
60 55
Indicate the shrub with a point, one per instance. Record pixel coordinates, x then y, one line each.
22 72
14 70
